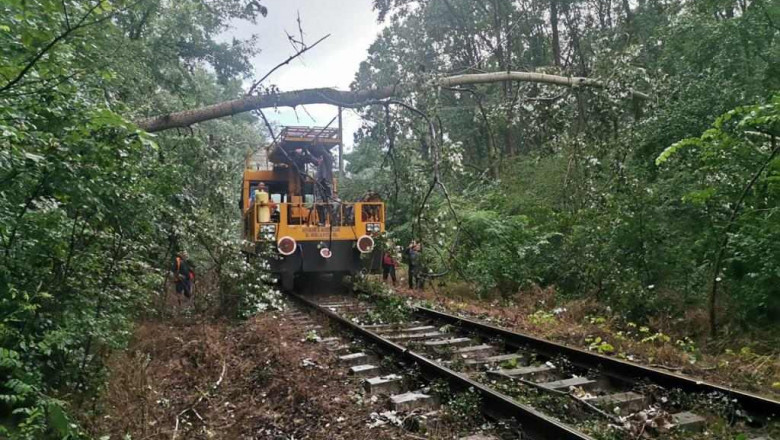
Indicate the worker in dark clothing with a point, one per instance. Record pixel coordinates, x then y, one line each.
300 158
323 189
183 275
388 266
325 170
413 258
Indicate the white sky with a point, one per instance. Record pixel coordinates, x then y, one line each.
333 63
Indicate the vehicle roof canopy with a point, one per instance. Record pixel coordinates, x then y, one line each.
317 140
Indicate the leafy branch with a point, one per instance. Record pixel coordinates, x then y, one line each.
80 24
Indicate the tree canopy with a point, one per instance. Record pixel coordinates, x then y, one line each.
92 209
624 152
557 186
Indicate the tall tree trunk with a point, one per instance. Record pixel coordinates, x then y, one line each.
509 140
629 17
556 39
602 15
503 55
572 23
627 9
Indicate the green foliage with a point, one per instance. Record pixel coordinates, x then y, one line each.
540 317
599 345
388 307
312 336
246 287
503 251
465 408
604 197
596 320
447 328
728 178
92 209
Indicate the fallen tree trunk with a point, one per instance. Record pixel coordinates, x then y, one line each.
349 98
542 78
249 103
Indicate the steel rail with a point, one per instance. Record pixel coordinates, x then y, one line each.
496 405
627 371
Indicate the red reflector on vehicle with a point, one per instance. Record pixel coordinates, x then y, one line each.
286 246
365 244
325 253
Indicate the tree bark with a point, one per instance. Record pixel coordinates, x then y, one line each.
556 39
503 56
350 98
629 13
572 22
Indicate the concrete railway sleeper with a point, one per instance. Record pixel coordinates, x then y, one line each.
552 391
411 404
529 423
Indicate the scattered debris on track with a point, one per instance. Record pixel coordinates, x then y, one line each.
749 364
598 400
277 384
276 376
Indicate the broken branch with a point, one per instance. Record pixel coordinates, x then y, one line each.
200 399
352 98
284 63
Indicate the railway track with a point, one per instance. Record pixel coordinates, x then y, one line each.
549 391
406 413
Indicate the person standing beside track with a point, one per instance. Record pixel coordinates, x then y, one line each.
323 189
388 266
183 275
413 259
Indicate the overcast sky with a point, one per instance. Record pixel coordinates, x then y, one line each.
333 63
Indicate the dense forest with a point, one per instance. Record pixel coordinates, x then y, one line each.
92 209
656 193
653 206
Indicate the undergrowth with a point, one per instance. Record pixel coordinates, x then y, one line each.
748 362
388 307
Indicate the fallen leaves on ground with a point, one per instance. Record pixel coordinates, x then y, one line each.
256 380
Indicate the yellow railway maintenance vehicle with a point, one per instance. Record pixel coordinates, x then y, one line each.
289 200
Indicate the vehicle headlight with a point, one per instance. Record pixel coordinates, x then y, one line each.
268 231
373 228
268 228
